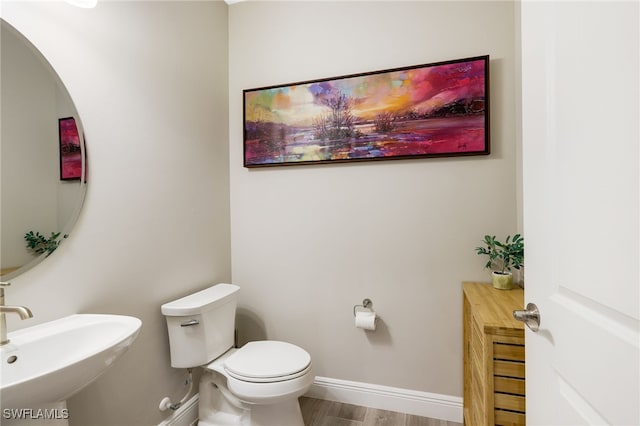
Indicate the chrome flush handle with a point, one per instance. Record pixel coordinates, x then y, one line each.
190 323
529 316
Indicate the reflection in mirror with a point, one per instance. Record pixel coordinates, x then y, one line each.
34 196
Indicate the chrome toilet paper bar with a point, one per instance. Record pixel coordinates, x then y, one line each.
366 304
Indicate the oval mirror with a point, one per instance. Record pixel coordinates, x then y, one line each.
42 156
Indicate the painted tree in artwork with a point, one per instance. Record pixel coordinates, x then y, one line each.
338 122
385 121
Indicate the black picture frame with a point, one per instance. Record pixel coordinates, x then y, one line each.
70 149
439 109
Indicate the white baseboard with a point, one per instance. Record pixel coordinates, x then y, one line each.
186 415
418 403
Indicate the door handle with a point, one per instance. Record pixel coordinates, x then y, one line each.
530 316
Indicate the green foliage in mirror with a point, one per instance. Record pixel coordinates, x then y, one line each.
38 243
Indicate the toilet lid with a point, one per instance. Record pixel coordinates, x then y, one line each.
267 359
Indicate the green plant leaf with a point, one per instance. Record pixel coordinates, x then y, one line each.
504 256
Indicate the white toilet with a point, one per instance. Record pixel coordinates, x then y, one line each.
257 384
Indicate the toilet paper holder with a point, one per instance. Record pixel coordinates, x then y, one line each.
367 304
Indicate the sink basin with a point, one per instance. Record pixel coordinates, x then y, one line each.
50 362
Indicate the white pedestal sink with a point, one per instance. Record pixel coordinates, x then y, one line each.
43 365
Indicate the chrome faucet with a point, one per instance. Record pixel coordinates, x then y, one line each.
22 311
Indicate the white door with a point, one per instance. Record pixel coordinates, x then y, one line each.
580 182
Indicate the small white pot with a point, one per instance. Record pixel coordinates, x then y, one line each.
502 281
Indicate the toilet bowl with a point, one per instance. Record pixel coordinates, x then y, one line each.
255 385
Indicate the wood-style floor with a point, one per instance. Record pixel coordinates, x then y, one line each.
318 412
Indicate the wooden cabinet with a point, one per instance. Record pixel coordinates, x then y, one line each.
494 384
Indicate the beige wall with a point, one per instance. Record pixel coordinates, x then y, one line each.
149 80
309 242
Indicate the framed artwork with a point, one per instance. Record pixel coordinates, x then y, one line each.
70 151
433 110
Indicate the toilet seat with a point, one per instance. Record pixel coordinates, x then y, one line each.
265 390
268 361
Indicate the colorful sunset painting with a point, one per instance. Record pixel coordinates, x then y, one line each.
70 151
423 111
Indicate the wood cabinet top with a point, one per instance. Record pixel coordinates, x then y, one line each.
494 308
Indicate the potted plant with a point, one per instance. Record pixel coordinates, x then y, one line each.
502 258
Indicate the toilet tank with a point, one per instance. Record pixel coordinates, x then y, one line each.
201 325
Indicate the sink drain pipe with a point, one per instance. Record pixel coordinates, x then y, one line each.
166 401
